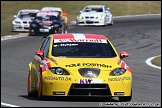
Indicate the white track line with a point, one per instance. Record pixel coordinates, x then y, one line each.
9 105
148 62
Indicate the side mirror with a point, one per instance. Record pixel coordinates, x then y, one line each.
14 16
40 53
123 54
64 14
108 9
80 11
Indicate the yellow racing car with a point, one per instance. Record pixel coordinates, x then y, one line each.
76 64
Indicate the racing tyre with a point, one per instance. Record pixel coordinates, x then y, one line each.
40 96
104 22
125 98
111 22
30 94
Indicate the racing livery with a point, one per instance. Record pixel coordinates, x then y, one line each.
76 64
47 23
98 15
22 19
57 9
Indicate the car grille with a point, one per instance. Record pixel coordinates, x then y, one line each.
89 90
87 17
25 22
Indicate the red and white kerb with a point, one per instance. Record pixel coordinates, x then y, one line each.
79 38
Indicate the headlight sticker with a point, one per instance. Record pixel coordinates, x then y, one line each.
124 65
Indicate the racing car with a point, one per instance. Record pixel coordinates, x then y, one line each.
22 19
76 64
98 15
47 23
57 9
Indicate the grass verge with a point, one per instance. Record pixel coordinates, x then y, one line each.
117 8
157 61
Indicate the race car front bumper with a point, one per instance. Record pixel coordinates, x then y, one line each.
90 22
20 27
67 85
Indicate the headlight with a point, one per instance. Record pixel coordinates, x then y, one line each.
79 17
99 17
17 22
56 25
117 71
58 71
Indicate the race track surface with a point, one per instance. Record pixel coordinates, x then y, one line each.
139 36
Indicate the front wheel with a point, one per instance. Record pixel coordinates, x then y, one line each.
40 96
29 90
104 22
111 22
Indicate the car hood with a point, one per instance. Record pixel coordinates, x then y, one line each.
75 63
91 13
24 19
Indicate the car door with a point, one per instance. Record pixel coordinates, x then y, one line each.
36 69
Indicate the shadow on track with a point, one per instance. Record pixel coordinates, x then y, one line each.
72 99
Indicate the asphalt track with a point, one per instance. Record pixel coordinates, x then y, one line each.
140 36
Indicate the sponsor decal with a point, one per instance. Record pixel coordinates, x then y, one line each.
119 93
64 45
90 81
119 79
89 65
58 93
57 78
81 40
53 60
118 62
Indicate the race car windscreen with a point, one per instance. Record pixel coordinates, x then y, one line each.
46 18
93 9
27 15
83 50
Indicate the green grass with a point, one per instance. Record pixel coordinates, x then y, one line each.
157 61
118 8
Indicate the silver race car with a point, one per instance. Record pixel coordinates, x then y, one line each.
22 19
95 15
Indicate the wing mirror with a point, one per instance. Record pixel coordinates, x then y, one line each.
64 14
123 54
40 53
14 16
80 11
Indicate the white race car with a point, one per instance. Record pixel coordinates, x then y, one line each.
95 15
23 18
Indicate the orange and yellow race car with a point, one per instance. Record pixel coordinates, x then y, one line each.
77 64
